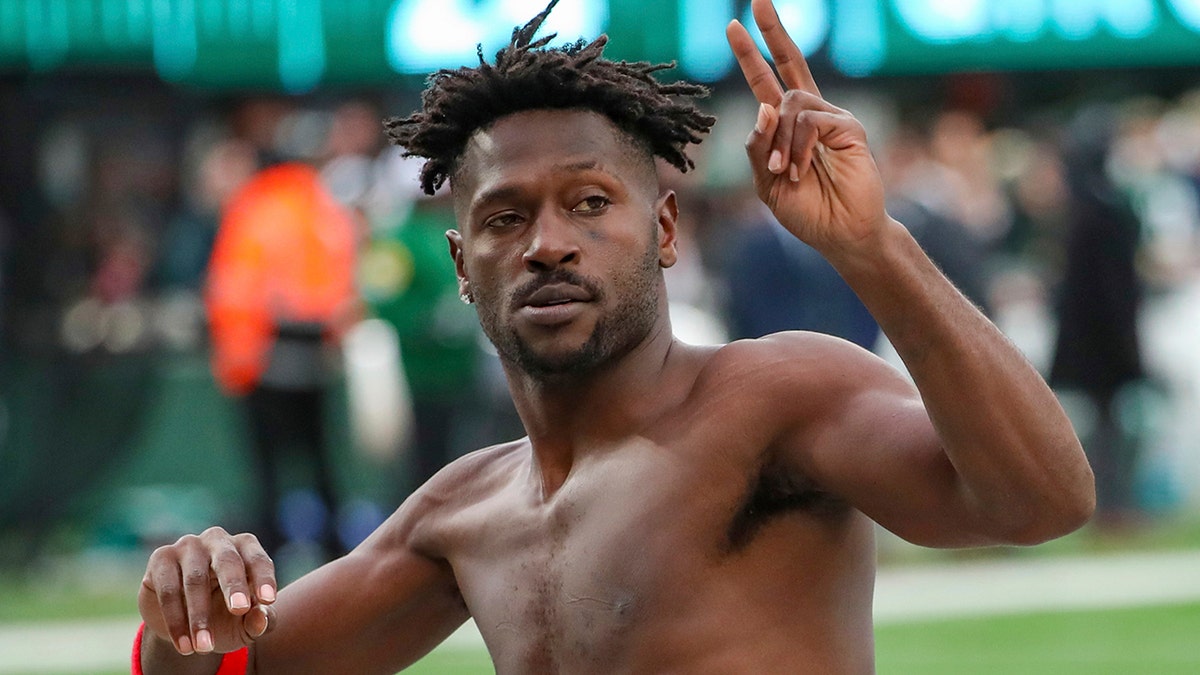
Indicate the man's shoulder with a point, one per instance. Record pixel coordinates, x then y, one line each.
748 379
786 376
483 471
788 355
437 509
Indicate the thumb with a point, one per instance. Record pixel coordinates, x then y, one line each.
258 622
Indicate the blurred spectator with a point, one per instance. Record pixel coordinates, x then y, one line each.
220 169
1039 198
929 198
1097 356
959 142
280 289
409 281
1154 158
1028 261
777 282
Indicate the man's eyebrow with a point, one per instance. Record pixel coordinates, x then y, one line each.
576 167
498 194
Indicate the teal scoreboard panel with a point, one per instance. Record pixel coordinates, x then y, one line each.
298 45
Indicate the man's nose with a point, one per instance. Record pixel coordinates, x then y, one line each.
554 242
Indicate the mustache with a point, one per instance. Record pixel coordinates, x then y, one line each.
556 276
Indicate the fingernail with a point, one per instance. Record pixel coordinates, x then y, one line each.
795 173
239 601
776 162
760 125
185 645
204 643
266 593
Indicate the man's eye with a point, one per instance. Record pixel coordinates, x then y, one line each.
594 203
502 220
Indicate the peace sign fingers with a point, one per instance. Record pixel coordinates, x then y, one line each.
809 158
789 60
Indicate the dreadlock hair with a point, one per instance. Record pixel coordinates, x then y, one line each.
528 76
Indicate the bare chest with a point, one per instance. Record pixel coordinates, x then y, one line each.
565 581
632 546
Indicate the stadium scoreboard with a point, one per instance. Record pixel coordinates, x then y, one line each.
297 45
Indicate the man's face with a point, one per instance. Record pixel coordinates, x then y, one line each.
562 239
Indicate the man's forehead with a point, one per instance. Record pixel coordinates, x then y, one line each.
571 140
547 133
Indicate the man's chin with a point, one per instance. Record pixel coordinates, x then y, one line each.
559 364
555 361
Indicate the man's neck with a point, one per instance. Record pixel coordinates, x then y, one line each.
568 417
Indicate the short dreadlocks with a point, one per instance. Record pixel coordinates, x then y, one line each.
458 102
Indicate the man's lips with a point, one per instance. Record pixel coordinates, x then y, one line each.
556 294
554 304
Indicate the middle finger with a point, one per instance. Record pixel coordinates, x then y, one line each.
230 571
789 60
198 591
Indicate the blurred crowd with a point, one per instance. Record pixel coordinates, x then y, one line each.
1076 230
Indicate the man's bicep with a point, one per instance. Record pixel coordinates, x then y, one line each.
377 609
876 448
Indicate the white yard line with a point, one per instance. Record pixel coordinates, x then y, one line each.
923 592
1050 584
66 646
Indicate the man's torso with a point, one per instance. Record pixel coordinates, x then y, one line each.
681 547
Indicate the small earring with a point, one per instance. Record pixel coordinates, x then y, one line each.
466 297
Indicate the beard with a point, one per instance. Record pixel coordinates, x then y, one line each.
615 334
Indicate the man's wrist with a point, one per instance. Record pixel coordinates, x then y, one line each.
871 252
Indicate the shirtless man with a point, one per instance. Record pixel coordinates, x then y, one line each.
674 508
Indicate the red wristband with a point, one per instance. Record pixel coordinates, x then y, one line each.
137 650
233 663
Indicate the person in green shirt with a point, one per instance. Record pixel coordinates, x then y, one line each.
408 280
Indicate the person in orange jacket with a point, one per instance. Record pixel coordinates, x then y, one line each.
280 290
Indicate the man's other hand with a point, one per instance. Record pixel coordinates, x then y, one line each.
210 593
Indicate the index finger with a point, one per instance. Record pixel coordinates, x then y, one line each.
754 67
789 60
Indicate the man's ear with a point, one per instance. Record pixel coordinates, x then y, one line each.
667 210
454 238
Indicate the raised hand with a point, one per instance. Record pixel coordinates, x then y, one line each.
810 159
210 593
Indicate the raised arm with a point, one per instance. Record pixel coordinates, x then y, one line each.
376 610
981 452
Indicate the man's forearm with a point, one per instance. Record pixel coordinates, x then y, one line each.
999 422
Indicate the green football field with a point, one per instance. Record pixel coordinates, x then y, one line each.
1162 640
1141 641
1150 641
